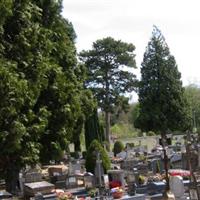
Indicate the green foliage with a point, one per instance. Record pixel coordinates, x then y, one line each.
91 157
163 106
141 179
192 93
122 130
150 133
134 112
92 192
120 110
74 154
118 147
93 129
41 85
107 77
131 145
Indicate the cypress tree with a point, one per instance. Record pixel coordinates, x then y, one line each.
163 106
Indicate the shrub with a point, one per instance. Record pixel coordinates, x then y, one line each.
130 145
118 147
90 162
150 133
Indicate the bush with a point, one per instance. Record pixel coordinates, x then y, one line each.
131 145
90 162
118 147
150 133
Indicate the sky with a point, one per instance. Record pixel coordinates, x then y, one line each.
132 21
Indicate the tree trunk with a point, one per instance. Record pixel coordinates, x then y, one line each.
107 133
166 161
12 178
166 169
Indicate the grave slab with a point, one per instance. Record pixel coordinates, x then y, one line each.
44 187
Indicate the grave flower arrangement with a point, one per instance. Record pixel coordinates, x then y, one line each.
65 196
114 184
62 195
117 192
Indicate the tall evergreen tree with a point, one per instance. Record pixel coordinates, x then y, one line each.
163 106
93 129
108 77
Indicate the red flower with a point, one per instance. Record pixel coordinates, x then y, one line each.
114 184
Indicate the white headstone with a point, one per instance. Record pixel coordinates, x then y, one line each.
177 186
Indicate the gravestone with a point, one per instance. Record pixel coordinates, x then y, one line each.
30 176
116 175
177 186
71 181
131 183
88 180
156 165
58 175
43 187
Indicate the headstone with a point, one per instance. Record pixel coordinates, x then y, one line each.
21 183
77 167
106 181
131 183
116 175
71 181
89 180
122 155
177 186
33 177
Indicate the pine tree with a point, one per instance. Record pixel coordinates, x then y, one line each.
107 63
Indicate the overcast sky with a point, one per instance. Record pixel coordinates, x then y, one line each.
132 21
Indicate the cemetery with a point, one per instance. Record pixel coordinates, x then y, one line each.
84 124
133 175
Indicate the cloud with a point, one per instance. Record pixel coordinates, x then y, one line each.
132 21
